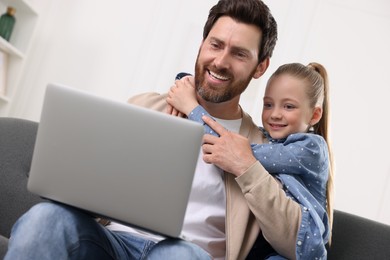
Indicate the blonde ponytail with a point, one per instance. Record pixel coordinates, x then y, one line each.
322 128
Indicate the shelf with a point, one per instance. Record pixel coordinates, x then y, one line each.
16 49
10 49
26 20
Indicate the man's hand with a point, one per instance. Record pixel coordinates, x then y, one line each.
231 152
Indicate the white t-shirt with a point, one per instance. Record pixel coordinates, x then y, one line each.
204 222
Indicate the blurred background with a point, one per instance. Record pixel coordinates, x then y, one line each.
119 48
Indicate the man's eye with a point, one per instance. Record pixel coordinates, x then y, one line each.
214 45
241 55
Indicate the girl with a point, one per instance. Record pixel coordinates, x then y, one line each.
295 121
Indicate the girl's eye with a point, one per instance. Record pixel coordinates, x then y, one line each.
289 106
267 105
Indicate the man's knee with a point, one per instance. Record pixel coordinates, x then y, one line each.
177 249
43 211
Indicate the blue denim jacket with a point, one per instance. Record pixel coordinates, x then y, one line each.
301 163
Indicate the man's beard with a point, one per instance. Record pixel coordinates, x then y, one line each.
211 94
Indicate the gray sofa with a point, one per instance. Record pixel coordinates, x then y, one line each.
354 237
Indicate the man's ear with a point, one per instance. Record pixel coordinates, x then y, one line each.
316 117
261 68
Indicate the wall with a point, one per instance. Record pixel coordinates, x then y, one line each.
123 48
350 39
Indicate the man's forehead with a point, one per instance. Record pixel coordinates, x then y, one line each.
236 33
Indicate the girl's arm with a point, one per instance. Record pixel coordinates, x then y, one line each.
300 154
196 115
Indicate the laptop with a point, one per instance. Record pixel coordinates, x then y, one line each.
127 163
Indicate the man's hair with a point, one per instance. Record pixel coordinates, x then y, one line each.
253 12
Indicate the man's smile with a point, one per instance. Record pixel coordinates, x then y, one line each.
218 76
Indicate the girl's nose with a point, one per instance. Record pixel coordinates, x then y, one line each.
276 114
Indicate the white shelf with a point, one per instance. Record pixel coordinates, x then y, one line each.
17 47
10 49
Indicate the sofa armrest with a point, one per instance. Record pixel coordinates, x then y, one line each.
17 139
355 237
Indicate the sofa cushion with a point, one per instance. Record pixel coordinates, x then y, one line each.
3 246
17 139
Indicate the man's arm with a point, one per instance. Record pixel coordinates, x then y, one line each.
151 100
277 215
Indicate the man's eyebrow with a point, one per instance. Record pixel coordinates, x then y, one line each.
234 48
217 40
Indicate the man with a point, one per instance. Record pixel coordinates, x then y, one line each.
238 211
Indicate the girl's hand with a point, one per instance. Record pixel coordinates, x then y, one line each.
181 96
174 112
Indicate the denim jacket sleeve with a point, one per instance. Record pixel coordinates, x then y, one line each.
196 115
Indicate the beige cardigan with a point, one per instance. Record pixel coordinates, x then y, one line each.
254 200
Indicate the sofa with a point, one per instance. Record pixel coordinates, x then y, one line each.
354 237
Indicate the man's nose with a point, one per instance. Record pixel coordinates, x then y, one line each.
222 60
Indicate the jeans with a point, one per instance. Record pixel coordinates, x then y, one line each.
55 231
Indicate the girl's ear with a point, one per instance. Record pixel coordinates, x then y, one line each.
261 68
316 117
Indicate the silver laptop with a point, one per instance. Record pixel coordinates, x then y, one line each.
130 164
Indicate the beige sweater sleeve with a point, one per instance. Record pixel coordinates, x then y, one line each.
151 100
277 215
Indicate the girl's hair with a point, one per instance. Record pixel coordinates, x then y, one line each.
253 12
317 90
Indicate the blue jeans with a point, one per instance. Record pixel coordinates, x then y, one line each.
55 231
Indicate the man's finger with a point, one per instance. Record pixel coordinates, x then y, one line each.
209 139
219 129
207 158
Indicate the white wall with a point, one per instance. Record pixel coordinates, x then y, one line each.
120 48
351 39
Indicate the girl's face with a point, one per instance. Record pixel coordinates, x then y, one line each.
286 107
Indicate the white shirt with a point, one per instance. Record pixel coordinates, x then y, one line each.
204 222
